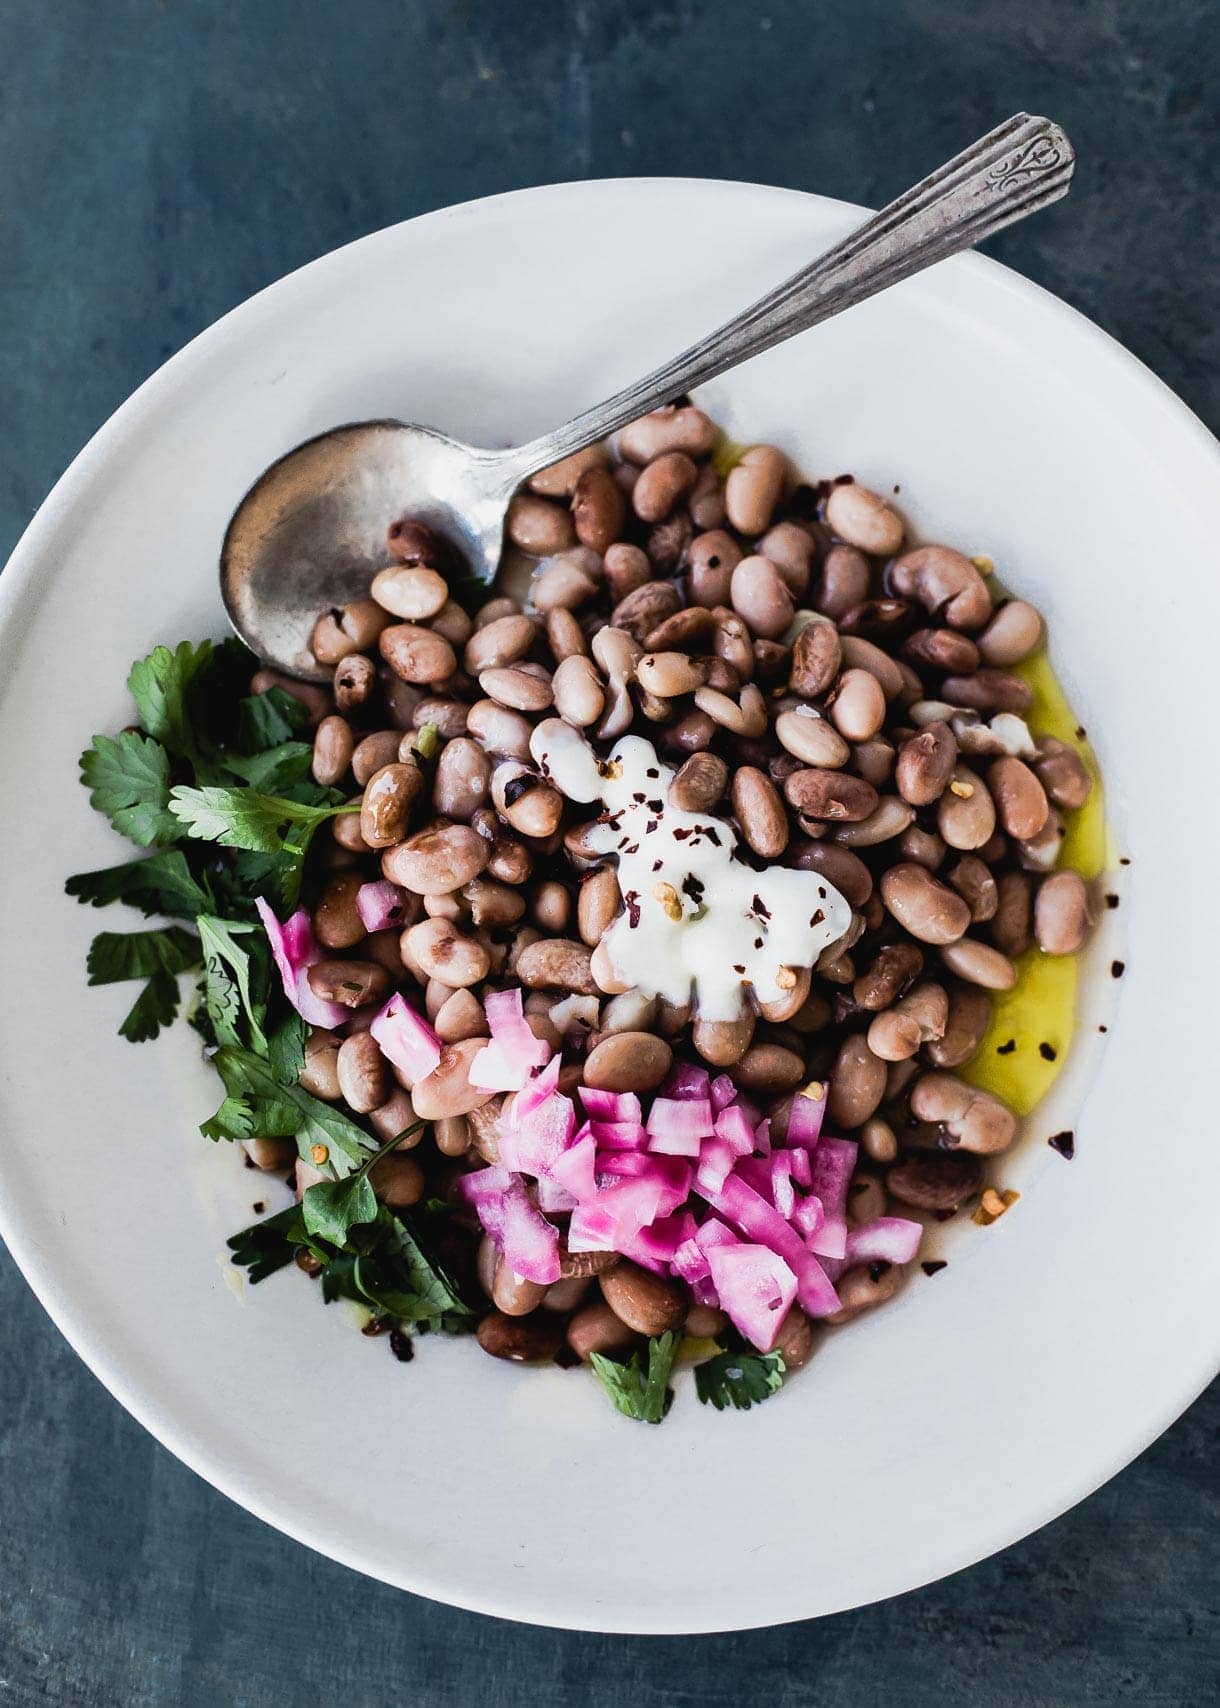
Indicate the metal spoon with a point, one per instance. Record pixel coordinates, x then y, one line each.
311 532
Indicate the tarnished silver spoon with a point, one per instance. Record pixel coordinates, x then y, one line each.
311 532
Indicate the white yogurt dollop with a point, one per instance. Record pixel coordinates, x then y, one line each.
700 924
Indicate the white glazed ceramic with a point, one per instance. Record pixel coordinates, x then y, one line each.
1056 1344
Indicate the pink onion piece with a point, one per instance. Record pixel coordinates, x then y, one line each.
799 1166
506 1063
716 1160
610 1105
723 1092
406 1039
619 1135
762 1137
554 1198
690 1261
687 1081
533 1141
756 1172
572 1171
676 1126
712 1232
739 1204
294 951
756 1288
782 1195
529 1242
381 905
671 1175
886 1239
805 1119
735 1125
832 1165
808 1216
655 1244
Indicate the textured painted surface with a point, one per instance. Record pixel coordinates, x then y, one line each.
162 161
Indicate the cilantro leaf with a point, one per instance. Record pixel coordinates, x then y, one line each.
160 884
267 720
161 686
232 976
333 1207
244 818
233 1120
117 955
739 1379
314 1123
643 1397
394 1275
269 1245
286 1048
127 777
281 767
156 1006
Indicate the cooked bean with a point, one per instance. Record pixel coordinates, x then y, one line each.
1012 634
830 795
499 643
714 556
1061 913
628 1061
319 1073
890 817
692 630
641 611
790 548
598 508
925 764
988 691
537 526
973 881
520 690
810 737
1041 852
559 479
864 1286
878 1140
1019 797
705 502
531 805
760 812
1062 774
374 752
699 783
863 519
350 983
942 649
793 1340
857 1083
723 1042
412 541
650 1304
596 1328
945 583
410 591
895 966
978 963
753 488
769 1068
861 654
386 804
552 907
923 847
499 730
625 568
556 963
922 905
445 953
745 716
1010 923
534 1339
453 623
436 861
511 1293
965 815
676 427
844 582
865 1199
974 1119
817 655
397 1180
336 919
661 484
316 701
565 581
920 1017
447 1089
460 1016
935 1180
579 694
845 870
761 597
670 674
597 905
364 1074
462 779
857 705
417 654
333 744
969 1018
347 628
564 636
874 760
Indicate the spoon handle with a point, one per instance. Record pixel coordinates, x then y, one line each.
1021 166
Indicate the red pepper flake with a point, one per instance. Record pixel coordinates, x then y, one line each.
1111 899
1048 1052
935 1265
1006 1049
259 1207
1103 1028
400 1346
656 806
649 826
652 771
1064 1143
1117 969
1124 860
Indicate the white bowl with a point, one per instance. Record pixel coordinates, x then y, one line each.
1056 1344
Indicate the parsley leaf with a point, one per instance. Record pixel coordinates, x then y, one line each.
161 686
644 1397
739 1379
160 884
117 955
313 1123
267 720
127 777
229 971
333 1207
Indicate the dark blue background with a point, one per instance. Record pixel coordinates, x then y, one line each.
160 161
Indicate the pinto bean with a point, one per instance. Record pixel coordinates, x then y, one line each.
676 427
945 583
978 963
533 807
865 1199
942 649
512 1294
386 805
319 1072
596 1328
723 1042
518 689
844 581
747 715
1019 797
889 818
625 568
670 674
336 919
579 694
1061 913
417 654
460 1016
345 629
895 966
662 483
499 730
878 1140
556 963
564 635
925 764
864 520
442 952
1012 634
397 1180
1010 923
920 1016
650 1304
558 480
436 861
817 655
316 700
790 548
861 654
374 752
699 783
333 744
597 905
969 1018
769 1068
922 905
810 737
935 1180
364 1073
714 556
753 489
690 734
857 1083
1041 852
761 597
830 795
566 581
641 611
857 705
534 1339
965 815
463 778
537 526
760 812
350 983
628 1061
598 508
447 1089
845 870
410 591
1062 774
988 691
706 500
974 1119
502 642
